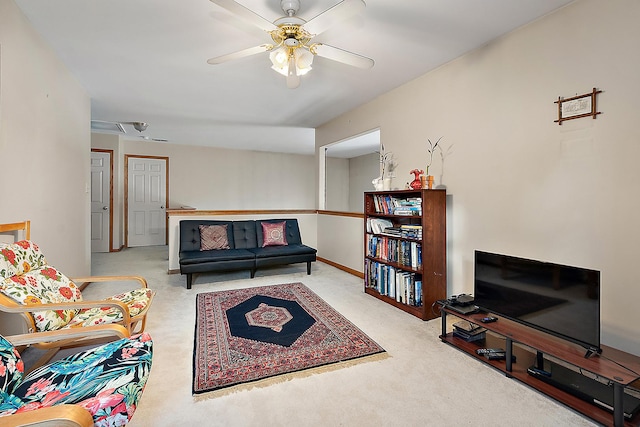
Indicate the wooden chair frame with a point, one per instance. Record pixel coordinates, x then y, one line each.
24 310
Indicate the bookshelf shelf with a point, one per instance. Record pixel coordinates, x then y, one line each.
405 249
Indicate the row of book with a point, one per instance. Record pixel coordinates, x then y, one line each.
390 205
401 252
400 285
384 226
407 231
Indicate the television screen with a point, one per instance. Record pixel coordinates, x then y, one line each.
558 299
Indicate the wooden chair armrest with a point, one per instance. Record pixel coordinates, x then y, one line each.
71 305
84 281
52 416
89 332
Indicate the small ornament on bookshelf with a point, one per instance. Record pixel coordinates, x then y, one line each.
416 184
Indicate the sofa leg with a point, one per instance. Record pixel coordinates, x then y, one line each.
308 268
189 280
253 273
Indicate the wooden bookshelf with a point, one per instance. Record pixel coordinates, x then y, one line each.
406 268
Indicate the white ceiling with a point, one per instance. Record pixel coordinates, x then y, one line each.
145 60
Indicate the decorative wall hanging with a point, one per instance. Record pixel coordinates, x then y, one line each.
577 106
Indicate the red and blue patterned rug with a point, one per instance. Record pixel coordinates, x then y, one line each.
246 336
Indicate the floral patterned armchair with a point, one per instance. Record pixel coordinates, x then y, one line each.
47 300
100 386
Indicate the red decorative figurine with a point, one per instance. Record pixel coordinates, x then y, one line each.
416 184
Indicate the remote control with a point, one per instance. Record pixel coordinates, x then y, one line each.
489 350
539 371
488 319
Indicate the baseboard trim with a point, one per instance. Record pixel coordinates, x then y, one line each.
342 267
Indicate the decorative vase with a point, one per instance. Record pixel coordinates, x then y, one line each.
386 184
377 184
416 184
430 182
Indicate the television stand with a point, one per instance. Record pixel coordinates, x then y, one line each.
550 355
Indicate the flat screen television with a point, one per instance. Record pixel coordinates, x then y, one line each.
560 300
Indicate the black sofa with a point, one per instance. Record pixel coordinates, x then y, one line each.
246 251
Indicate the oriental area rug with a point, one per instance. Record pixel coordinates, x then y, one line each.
257 336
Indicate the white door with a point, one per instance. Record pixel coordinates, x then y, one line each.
147 201
100 200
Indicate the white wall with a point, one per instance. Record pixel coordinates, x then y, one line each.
519 183
337 184
341 240
362 170
44 145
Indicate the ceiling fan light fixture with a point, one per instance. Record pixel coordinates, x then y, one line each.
304 59
280 60
140 126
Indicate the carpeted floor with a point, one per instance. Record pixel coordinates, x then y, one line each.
266 334
422 382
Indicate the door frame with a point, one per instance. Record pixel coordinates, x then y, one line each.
110 152
126 194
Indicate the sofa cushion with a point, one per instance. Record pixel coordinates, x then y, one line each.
292 231
190 233
213 237
273 234
197 257
276 251
244 234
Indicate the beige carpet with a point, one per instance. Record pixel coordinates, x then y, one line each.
423 382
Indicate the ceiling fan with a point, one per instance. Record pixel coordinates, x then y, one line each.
292 51
117 127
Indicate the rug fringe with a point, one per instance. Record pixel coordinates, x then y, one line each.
265 382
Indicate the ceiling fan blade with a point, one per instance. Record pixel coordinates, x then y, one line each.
246 14
240 54
341 55
333 15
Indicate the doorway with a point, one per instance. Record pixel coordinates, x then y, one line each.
101 200
146 191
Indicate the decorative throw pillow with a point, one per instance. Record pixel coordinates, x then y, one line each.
273 234
213 237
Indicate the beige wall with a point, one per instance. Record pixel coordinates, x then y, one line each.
44 145
519 183
217 179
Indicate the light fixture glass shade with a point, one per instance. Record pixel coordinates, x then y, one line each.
304 59
280 60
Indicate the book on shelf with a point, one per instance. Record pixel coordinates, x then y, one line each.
378 225
405 253
390 205
394 283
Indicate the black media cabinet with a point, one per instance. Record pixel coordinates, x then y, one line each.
534 348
